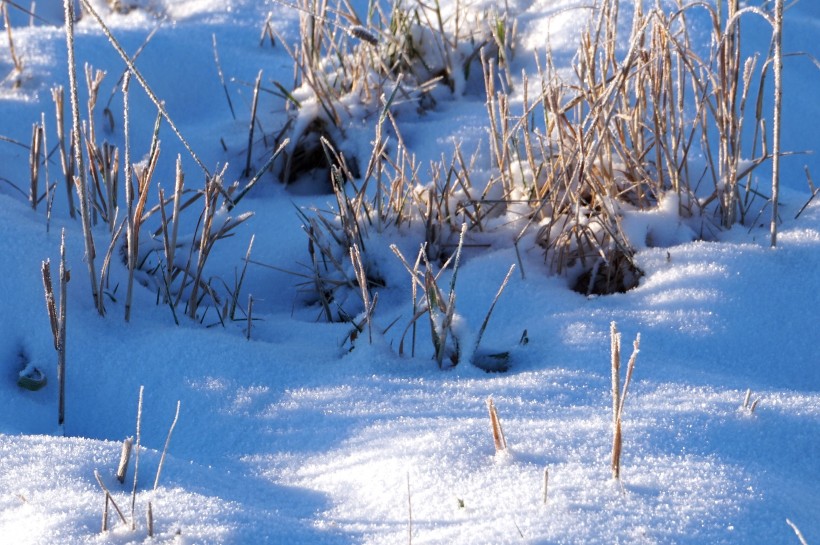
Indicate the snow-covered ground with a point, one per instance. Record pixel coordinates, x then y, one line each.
290 437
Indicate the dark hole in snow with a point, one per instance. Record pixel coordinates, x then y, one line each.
618 274
306 170
492 362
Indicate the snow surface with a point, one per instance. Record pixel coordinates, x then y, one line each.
289 437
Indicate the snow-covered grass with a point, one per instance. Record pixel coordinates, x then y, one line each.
297 435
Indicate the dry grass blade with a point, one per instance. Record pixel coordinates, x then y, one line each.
409 512
778 108
415 276
238 287
17 72
81 181
235 200
797 532
250 317
499 440
37 135
749 405
109 499
165 448
492 307
254 104
107 258
138 75
125 456
222 76
437 313
619 393
57 319
361 279
546 483
51 306
58 96
136 460
213 226
615 365
65 276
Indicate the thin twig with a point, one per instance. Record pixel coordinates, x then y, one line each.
136 460
110 498
80 181
222 76
165 448
776 118
492 306
409 513
546 483
143 83
797 532
254 104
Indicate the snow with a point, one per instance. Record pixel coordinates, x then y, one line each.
292 437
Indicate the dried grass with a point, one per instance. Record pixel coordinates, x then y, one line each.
619 392
499 440
57 319
618 135
15 76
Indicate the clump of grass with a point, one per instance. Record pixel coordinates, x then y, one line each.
620 137
93 170
440 311
345 65
122 468
337 248
626 132
174 263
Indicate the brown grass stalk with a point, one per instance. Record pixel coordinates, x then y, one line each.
136 460
222 75
254 103
499 440
150 519
35 156
80 181
776 120
250 317
58 96
125 456
17 72
57 319
165 448
619 393
109 499
492 307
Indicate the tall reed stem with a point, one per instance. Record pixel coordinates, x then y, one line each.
778 99
80 181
